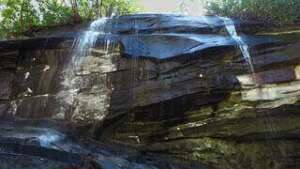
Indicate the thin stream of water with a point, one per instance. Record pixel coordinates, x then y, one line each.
88 40
269 124
80 65
231 29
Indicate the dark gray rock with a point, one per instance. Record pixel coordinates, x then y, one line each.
4 107
40 72
53 145
166 23
206 104
6 79
8 59
155 23
43 106
165 46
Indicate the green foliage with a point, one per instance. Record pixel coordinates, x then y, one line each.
122 7
275 11
53 13
16 17
23 16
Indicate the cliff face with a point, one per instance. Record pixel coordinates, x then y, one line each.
205 104
173 85
41 82
215 110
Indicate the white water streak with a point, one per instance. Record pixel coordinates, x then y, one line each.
88 40
83 63
230 27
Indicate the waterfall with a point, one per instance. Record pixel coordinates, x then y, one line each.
88 40
81 50
89 61
229 24
230 27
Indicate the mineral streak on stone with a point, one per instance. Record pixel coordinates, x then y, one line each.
176 86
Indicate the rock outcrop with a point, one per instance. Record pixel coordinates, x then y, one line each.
173 85
194 97
46 144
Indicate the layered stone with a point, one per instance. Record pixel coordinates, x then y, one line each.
167 84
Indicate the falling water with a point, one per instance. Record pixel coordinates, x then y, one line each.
49 137
84 63
230 27
88 40
81 47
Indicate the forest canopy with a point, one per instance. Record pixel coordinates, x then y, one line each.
22 16
278 12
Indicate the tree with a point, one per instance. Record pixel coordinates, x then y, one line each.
75 14
20 17
108 7
276 11
97 7
17 17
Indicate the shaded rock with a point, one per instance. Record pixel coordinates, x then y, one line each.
166 23
25 162
8 59
43 106
40 72
52 144
156 23
37 43
6 79
164 46
4 107
210 107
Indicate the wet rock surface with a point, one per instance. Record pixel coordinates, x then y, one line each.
166 85
52 144
206 105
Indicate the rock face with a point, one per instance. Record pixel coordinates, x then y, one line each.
167 84
46 144
40 79
193 96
